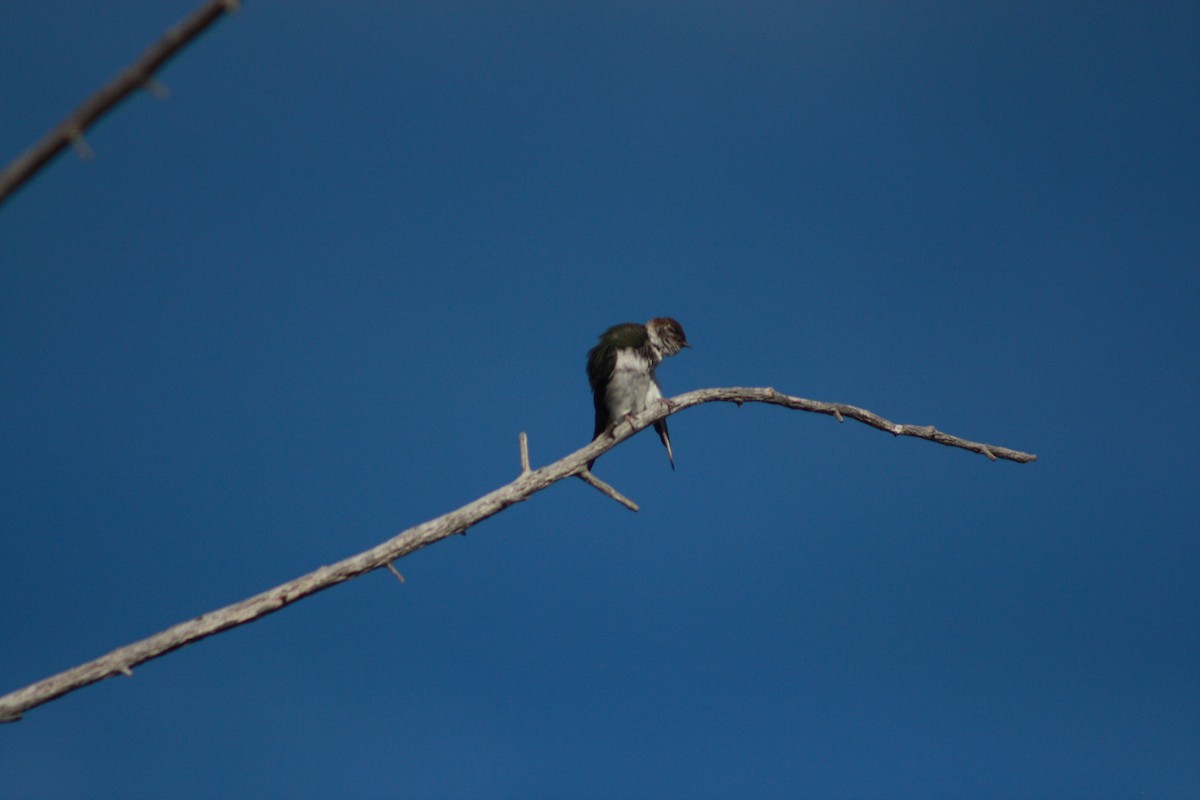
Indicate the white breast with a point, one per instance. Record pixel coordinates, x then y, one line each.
632 387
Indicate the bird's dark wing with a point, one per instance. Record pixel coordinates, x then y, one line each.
626 335
602 419
602 359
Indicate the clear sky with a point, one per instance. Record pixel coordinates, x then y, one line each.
312 298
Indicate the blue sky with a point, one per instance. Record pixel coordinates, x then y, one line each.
312 298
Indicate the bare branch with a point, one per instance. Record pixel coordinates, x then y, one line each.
138 75
121 660
741 395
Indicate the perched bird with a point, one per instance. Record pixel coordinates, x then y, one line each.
621 371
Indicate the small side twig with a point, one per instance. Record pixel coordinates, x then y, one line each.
392 569
157 89
605 489
523 440
80 145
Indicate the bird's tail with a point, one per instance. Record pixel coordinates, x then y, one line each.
661 427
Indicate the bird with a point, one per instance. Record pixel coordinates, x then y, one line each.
621 368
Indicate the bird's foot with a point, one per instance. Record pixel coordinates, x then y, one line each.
612 427
611 430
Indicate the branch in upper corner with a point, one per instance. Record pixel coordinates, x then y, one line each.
138 75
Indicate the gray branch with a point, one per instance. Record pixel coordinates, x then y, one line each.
138 75
530 481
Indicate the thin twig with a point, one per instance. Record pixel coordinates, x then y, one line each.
523 441
607 490
80 145
14 704
158 89
138 75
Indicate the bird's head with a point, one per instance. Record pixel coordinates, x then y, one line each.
666 336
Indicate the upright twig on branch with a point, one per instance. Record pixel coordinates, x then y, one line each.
528 482
138 75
